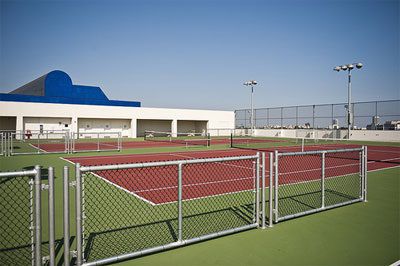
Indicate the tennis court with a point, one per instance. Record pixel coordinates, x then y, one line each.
158 185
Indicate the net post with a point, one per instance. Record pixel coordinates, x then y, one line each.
52 252
258 189
271 185
231 140
38 143
78 214
323 180
98 141
180 202
208 139
66 214
263 169
302 144
276 177
365 172
38 216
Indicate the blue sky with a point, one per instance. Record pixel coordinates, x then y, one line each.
197 54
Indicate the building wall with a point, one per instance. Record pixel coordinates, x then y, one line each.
47 123
367 135
90 125
153 125
76 113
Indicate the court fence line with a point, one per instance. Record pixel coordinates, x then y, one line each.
47 142
322 116
314 181
191 214
124 211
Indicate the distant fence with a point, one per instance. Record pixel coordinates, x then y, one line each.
321 115
44 142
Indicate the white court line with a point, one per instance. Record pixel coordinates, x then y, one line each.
150 154
222 163
197 184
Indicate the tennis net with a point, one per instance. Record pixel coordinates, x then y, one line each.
187 138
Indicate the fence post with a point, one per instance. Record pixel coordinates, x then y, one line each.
38 216
271 185
263 168
258 188
52 252
365 172
323 181
78 214
66 214
276 163
98 141
180 202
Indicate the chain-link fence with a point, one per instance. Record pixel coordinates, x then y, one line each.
96 141
45 142
130 210
312 181
2 144
36 142
21 224
368 115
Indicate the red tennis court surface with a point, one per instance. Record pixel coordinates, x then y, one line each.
158 185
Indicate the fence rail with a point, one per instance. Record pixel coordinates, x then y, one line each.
322 116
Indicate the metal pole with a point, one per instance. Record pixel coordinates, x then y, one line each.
52 252
258 188
252 112
98 142
263 169
323 181
38 222
349 105
78 214
66 214
180 202
276 185
271 185
365 172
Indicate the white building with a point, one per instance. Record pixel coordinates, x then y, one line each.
52 102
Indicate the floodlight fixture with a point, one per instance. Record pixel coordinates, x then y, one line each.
349 68
251 83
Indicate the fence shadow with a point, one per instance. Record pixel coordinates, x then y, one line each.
117 241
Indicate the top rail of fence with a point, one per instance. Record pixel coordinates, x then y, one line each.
165 163
318 152
19 173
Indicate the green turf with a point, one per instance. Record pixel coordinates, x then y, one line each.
359 234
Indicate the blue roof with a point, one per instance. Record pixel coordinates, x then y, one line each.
56 87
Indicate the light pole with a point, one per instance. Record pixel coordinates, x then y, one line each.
251 83
349 68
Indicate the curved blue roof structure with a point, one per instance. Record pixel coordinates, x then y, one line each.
56 87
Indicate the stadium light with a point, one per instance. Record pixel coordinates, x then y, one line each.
251 83
349 68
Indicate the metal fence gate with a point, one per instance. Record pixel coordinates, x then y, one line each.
313 181
125 211
21 222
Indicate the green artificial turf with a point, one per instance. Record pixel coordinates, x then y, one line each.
358 234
